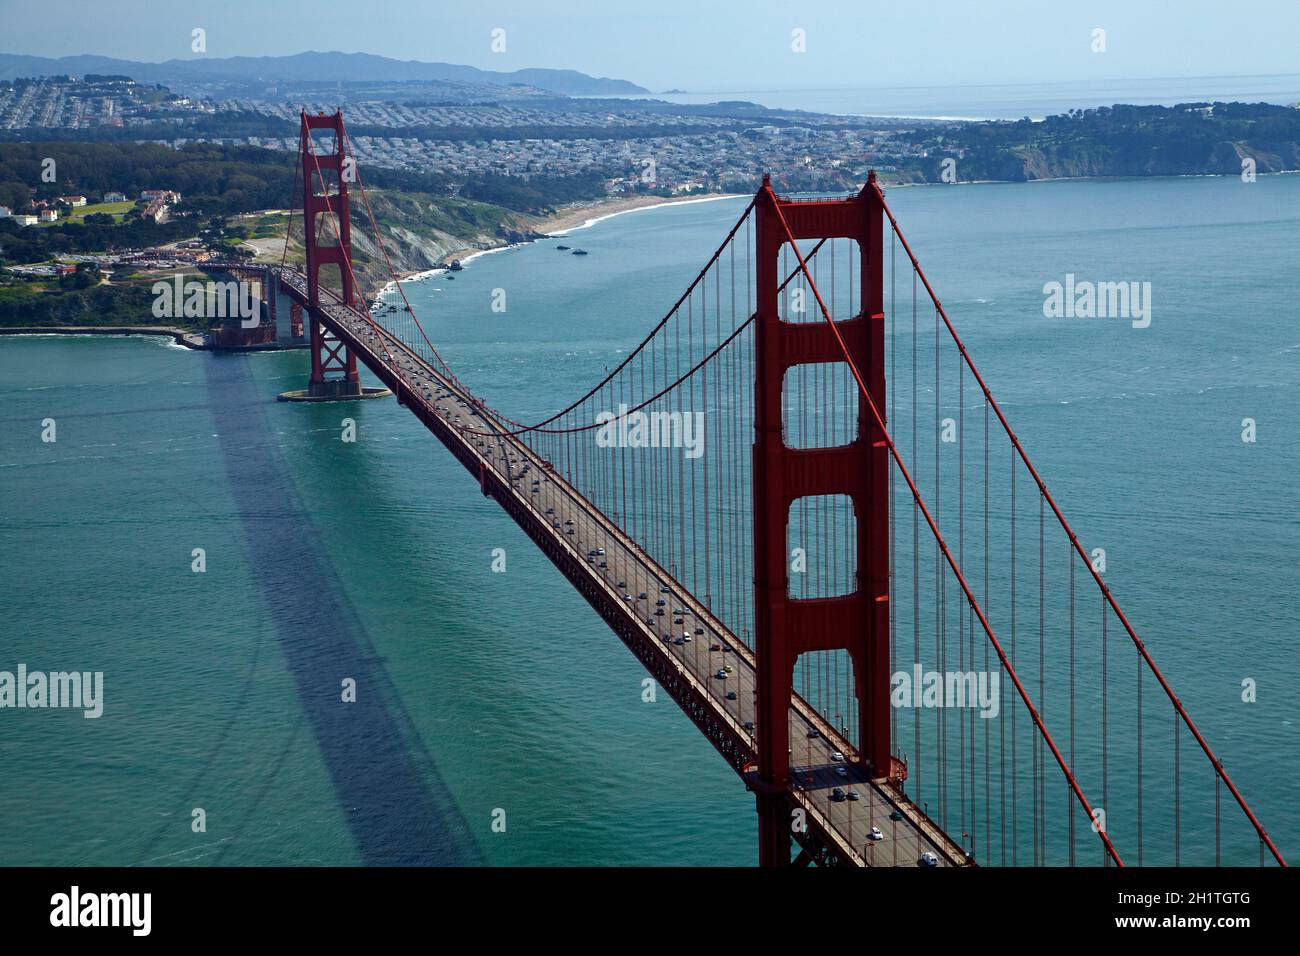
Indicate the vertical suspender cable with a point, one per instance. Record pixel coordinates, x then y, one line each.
916 560
988 790
1037 780
941 722
1105 778
1177 807
1072 760
1015 780
1139 758
893 419
961 560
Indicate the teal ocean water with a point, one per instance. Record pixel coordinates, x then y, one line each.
480 692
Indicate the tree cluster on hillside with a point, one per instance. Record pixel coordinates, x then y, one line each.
227 180
537 194
27 304
1191 138
20 244
211 178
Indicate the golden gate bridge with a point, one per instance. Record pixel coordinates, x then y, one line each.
861 515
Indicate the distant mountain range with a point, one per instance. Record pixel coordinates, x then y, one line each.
310 67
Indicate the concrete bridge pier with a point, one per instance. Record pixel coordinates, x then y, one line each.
334 376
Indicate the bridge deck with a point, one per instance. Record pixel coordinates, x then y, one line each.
685 647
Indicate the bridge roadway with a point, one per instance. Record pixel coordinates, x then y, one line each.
690 653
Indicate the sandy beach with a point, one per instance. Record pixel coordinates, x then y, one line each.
576 215
582 214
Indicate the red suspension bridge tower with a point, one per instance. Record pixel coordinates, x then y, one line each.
858 622
333 366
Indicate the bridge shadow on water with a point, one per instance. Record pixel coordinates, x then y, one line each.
388 789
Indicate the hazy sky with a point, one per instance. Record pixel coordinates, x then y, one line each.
701 45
